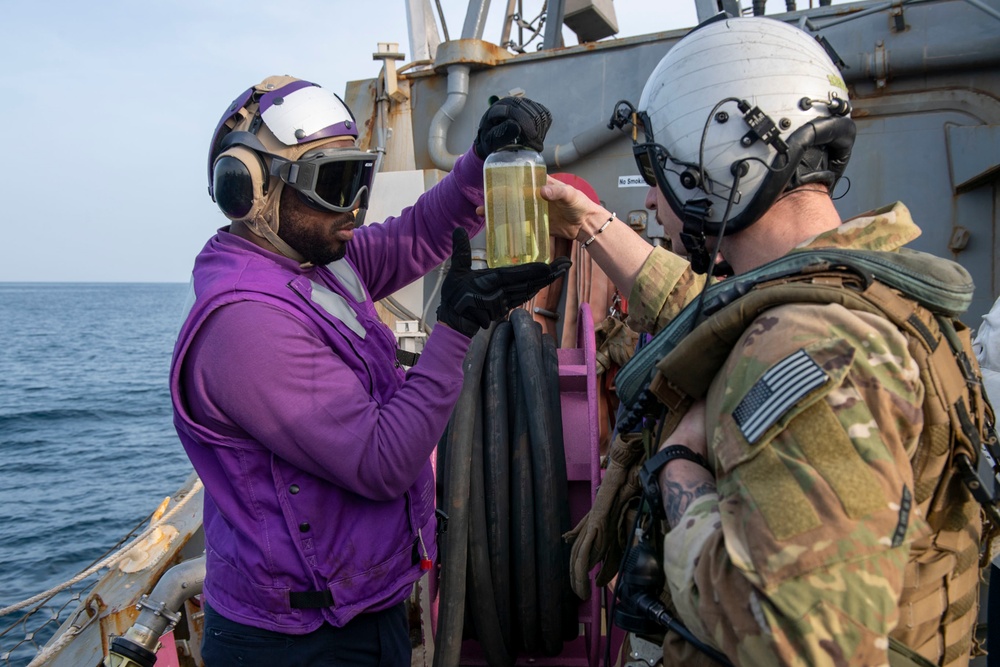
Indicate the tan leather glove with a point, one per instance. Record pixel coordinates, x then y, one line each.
596 534
615 344
626 507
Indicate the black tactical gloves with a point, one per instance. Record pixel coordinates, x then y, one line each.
512 120
470 300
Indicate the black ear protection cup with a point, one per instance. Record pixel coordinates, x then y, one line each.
238 182
232 186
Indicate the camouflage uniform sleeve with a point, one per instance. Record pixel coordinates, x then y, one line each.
800 558
665 285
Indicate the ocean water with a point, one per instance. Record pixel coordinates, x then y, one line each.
87 444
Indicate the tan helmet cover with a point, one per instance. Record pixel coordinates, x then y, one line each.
263 218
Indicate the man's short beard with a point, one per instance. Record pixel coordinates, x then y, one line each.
311 241
321 255
311 244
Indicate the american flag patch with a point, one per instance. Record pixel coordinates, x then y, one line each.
779 389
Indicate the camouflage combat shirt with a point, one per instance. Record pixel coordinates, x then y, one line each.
799 557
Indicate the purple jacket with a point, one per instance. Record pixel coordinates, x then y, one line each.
312 442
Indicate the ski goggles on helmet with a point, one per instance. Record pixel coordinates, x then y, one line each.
336 179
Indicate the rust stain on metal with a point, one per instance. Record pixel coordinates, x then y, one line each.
476 53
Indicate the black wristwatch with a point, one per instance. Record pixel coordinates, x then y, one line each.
651 469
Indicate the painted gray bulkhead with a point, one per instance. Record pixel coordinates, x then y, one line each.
924 78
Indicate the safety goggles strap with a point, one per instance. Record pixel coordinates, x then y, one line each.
291 172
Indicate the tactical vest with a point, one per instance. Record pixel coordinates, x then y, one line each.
922 296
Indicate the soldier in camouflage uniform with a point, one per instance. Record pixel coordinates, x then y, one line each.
794 537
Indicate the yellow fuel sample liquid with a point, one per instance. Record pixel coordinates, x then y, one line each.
517 218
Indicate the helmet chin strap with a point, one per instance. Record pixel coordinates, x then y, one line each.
265 225
697 251
694 214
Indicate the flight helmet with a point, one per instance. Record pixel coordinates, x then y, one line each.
280 132
739 111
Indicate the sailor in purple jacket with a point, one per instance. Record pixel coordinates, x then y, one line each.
313 443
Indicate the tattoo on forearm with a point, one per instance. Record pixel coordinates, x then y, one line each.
678 497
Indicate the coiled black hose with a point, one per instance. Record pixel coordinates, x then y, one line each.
522 512
517 597
458 456
496 471
482 603
549 490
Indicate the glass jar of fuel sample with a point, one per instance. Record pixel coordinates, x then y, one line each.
517 218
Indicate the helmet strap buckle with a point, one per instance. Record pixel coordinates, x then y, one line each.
255 124
696 213
697 251
699 210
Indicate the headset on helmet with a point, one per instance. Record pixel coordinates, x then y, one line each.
737 112
279 133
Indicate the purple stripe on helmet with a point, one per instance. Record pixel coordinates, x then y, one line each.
267 100
347 128
231 111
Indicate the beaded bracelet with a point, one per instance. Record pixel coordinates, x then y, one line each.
603 227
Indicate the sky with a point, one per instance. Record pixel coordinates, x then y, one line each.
111 104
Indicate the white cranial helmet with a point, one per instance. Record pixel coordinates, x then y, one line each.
747 101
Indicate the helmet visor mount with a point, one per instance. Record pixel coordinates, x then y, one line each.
651 158
333 179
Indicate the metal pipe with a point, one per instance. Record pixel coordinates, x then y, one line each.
508 21
444 24
579 146
905 53
475 19
984 7
381 111
437 138
553 25
159 613
908 57
820 23
817 24
423 30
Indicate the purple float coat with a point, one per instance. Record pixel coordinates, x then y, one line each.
312 442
